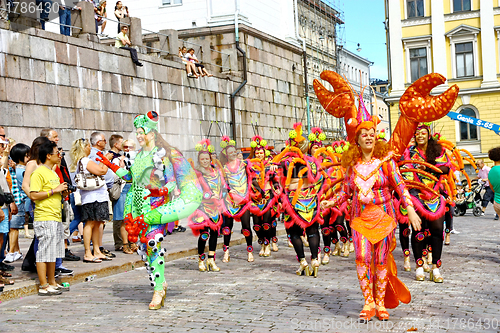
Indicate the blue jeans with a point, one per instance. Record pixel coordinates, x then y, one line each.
65 18
77 212
44 14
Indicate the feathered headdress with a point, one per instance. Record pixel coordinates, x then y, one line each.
225 143
259 144
147 122
204 146
316 137
295 135
339 146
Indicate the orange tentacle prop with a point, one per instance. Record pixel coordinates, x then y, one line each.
425 173
430 166
420 186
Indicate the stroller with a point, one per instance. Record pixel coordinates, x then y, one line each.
469 198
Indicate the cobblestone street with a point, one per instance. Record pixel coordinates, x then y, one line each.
267 295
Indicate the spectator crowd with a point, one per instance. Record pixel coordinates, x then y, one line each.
43 199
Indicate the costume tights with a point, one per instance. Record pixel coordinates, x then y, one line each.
331 230
404 238
245 226
448 218
312 233
262 226
212 240
431 234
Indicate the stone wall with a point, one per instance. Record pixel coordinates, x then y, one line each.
78 86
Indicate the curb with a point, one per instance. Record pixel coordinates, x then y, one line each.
27 288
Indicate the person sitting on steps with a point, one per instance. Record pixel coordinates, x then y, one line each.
123 42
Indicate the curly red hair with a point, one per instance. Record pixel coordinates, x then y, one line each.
353 154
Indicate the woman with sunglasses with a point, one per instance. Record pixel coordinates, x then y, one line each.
157 170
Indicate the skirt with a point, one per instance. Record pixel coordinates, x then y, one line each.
95 211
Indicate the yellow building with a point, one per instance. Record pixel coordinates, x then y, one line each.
460 40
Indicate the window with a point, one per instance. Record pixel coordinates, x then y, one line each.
171 2
468 131
415 8
418 63
461 5
465 59
383 89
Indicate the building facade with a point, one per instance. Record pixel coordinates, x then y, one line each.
458 39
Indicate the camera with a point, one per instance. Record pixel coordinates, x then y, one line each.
6 198
72 188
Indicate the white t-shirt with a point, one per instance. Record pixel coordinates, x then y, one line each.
99 195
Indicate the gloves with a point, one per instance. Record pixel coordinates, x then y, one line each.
136 228
106 162
156 192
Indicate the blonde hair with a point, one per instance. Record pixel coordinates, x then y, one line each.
77 152
128 143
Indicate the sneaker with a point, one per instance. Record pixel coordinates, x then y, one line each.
9 257
5 267
48 291
60 287
453 231
70 256
482 214
496 217
18 256
62 271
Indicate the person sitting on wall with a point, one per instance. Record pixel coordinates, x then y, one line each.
193 59
190 67
123 42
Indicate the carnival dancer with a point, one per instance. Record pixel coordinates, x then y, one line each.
206 221
371 176
237 201
265 193
431 207
304 183
157 170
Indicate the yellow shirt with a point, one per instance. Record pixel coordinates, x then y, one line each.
118 41
43 180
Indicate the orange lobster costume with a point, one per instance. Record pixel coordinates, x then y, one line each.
370 184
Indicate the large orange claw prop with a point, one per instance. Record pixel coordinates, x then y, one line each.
419 106
340 102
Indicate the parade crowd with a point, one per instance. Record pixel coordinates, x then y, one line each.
352 193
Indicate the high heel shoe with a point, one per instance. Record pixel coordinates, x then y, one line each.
436 276
315 267
250 257
429 258
211 266
382 315
158 300
366 315
407 266
267 250
303 268
201 265
262 248
274 247
345 250
290 243
226 257
447 239
351 246
425 266
336 251
419 274
326 259
305 241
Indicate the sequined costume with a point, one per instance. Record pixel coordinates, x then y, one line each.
371 183
148 208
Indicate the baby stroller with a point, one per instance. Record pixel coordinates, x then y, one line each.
469 198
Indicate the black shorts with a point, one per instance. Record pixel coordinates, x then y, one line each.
95 211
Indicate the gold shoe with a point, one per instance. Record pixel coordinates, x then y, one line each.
429 258
436 276
274 247
345 250
447 239
304 241
351 246
261 252
337 250
326 259
201 265
425 266
267 250
290 243
315 266
158 300
419 274
250 257
211 266
407 266
226 257
303 268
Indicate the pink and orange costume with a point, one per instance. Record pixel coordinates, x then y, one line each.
370 184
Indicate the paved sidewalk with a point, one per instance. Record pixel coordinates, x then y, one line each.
178 245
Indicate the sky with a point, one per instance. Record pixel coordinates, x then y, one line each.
364 24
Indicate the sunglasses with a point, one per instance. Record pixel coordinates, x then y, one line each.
58 152
128 147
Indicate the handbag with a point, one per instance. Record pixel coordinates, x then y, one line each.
87 181
78 198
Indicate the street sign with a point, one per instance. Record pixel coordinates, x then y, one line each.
474 121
